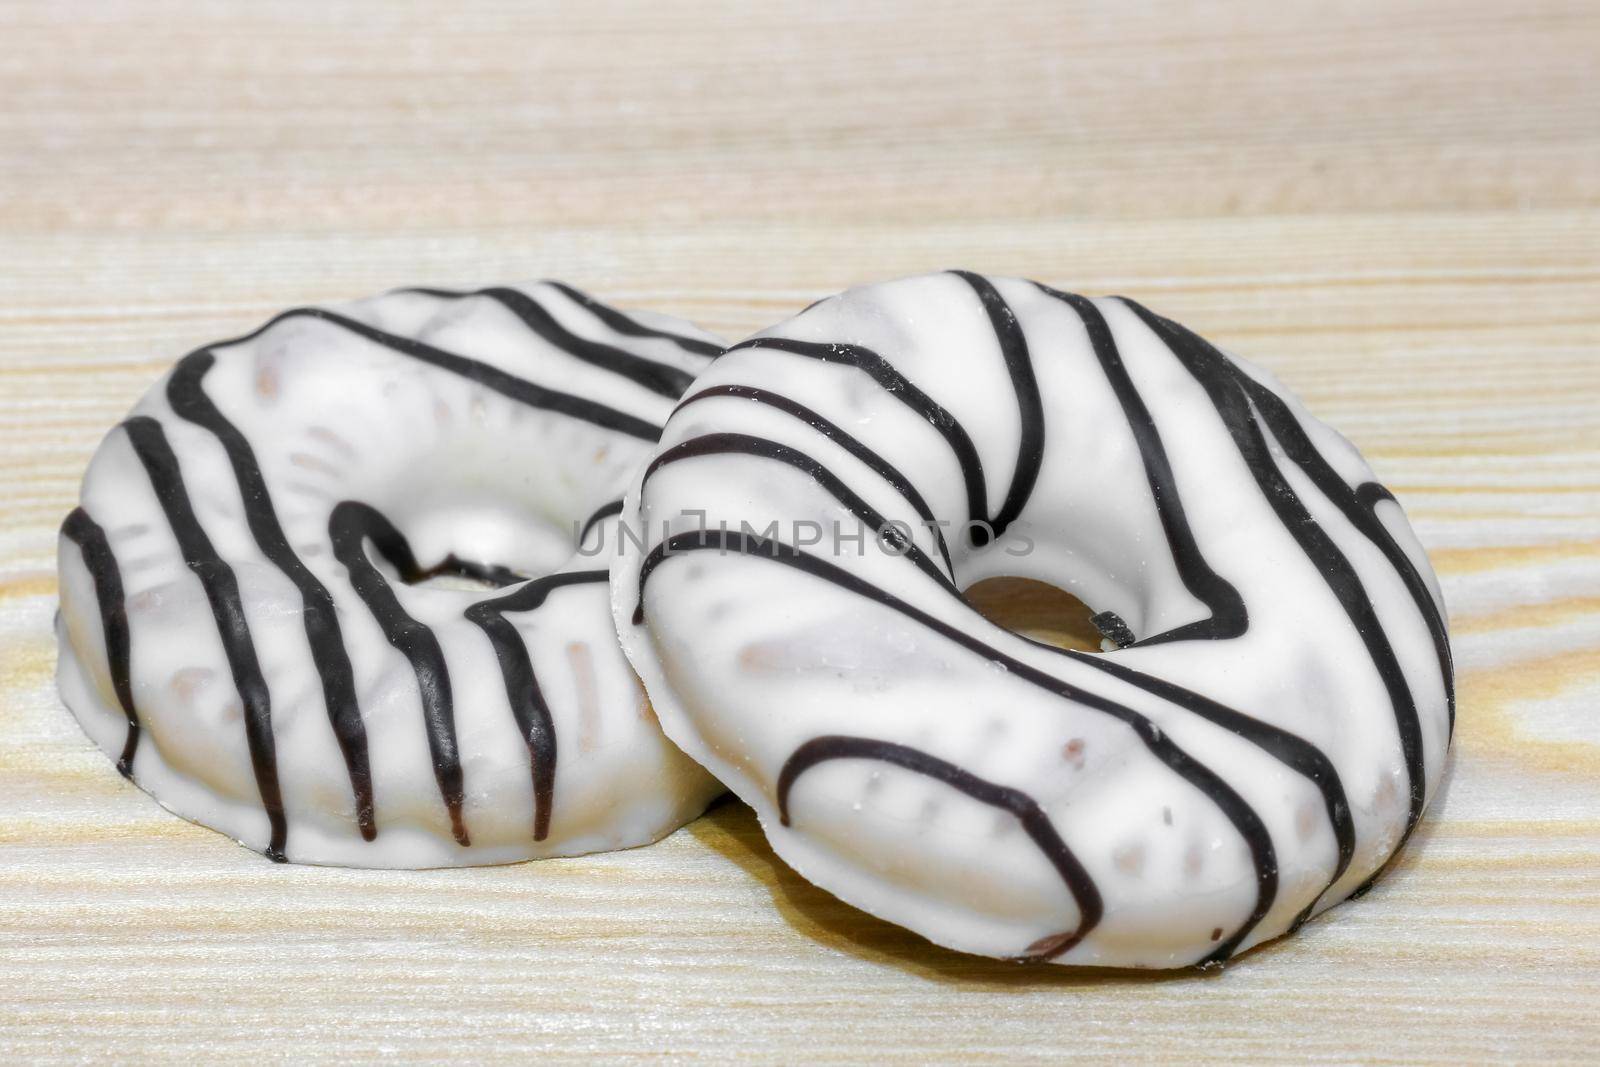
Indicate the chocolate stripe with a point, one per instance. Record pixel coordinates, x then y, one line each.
490 377
101 564
660 378
601 513
1211 369
1357 504
743 444
350 527
1030 409
186 393
1229 617
522 683
1034 821
880 466
901 388
1293 751
216 577
631 327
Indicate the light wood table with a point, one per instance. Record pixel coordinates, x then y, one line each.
1393 206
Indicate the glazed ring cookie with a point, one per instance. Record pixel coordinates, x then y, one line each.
1264 735
323 593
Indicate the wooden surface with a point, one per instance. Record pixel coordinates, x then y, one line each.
1392 206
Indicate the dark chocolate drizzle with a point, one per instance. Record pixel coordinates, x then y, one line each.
351 527
660 378
522 683
1035 823
1219 378
631 327
718 444
851 444
601 513
1030 409
1359 505
324 636
98 559
1228 615
1293 751
1013 345
216 577
901 388
490 377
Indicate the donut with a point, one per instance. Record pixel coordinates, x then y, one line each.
327 589
1272 704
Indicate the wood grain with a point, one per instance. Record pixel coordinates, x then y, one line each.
1392 206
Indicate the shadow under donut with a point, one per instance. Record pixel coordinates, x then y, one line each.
730 829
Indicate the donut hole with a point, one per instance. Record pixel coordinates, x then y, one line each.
450 572
474 513
1036 610
465 546
461 544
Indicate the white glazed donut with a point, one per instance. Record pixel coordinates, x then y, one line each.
1265 734
239 627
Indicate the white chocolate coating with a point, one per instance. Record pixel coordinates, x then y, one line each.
1257 752
238 620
